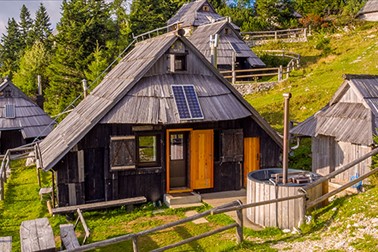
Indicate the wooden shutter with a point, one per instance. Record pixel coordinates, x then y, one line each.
122 152
232 145
202 159
251 156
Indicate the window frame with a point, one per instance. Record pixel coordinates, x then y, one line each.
156 163
121 167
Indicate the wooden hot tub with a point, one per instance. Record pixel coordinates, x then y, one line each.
262 186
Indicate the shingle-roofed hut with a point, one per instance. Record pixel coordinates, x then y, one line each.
163 120
21 120
369 12
344 130
196 13
229 42
199 20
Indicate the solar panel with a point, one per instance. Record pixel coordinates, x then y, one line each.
187 102
193 102
10 111
236 47
182 106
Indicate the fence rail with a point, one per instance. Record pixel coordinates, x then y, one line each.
261 37
281 72
21 152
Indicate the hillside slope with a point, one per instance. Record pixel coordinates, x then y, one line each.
348 52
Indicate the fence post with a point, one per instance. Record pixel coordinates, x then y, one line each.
239 228
1 186
135 244
305 33
280 73
275 35
288 69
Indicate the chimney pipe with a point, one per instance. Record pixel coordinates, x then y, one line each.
285 162
214 50
40 99
85 87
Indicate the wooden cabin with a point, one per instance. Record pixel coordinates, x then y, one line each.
344 130
194 14
369 12
21 120
162 121
200 20
229 43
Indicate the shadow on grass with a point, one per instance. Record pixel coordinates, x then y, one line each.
185 234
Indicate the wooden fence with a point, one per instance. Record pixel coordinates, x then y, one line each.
281 72
262 37
12 154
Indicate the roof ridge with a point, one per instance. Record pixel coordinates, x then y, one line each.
359 76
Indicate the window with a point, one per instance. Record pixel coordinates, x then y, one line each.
130 152
122 152
226 31
177 62
148 150
206 8
10 111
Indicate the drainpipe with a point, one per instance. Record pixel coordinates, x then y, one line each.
287 97
40 99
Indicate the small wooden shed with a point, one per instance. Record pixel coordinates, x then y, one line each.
369 12
344 130
229 43
21 120
162 121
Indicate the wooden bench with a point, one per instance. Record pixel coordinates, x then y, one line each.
37 235
100 205
6 244
68 236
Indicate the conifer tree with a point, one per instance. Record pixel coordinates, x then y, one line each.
42 26
82 26
25 25
10 49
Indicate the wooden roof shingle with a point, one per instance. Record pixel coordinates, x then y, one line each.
370 7
228 43
30 119
127 90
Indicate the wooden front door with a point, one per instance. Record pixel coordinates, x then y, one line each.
251 156
178 160
190 160
202 159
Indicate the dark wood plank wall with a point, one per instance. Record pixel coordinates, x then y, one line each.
10 139
89 180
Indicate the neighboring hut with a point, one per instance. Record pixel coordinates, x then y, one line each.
21 120
230 43
194 14
369 12
344 130
162 121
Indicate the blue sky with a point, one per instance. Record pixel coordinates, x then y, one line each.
11 8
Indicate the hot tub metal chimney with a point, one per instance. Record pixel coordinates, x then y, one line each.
285 162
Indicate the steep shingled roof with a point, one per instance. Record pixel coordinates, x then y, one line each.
116 91
28 117
190 14
346 121
368 10
228 43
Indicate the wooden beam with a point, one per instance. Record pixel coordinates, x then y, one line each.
100 205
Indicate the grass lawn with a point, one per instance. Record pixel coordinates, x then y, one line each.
22 202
